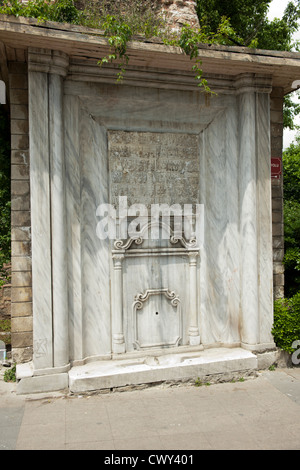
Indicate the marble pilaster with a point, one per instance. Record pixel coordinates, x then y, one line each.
264 191
118 341
58 223
46 72
40 220
73 203
248 219
255 213
194 336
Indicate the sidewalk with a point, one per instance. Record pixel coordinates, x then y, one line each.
259 413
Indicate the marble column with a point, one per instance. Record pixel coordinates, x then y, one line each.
194 336
51 345
118 341
248 219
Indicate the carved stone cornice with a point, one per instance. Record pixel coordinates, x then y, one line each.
252 82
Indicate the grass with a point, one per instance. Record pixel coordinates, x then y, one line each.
5 330
199 383
5 325
10 374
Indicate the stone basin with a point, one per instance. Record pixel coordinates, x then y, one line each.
164 360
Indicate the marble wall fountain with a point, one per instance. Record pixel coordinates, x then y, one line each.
135 308
107 299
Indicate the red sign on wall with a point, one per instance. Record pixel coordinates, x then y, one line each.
276 168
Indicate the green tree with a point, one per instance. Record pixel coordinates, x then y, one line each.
252 28
291 174
63 11
249 20
4 187
246 17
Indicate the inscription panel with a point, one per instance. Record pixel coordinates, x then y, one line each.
153 168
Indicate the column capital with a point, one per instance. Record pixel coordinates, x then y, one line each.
48 61
193 255
117 260
253 82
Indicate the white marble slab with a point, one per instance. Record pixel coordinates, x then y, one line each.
95 255
40 220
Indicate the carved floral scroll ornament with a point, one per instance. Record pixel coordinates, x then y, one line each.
142 236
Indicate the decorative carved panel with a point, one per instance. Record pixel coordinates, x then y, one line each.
157 320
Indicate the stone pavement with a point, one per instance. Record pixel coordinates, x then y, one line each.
262 412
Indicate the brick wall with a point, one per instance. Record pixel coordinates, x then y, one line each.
277 192
21 282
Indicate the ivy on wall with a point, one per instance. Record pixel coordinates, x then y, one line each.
5 218
122 26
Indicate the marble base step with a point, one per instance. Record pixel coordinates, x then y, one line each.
171 367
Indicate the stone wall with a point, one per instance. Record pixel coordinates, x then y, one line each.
21 290
179 12
175 12
276 113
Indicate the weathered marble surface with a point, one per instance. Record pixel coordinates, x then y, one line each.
153 168
157 317
73 211
58 223
265 252
214 154
40 220
220 261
